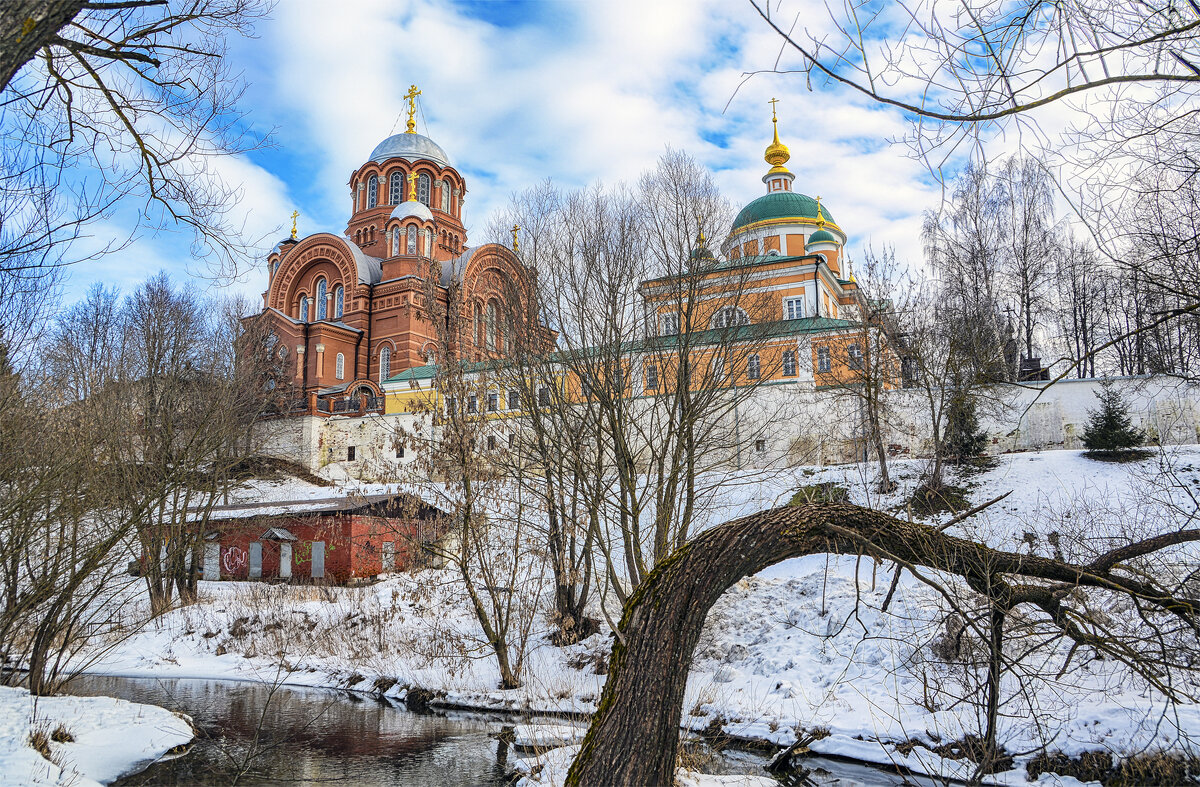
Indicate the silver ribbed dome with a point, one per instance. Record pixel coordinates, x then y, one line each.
410 208
411 147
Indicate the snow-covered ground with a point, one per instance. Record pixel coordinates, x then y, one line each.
801 648
109 738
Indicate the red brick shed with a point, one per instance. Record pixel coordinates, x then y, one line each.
328 540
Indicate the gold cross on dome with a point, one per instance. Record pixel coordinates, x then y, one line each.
820 218
516 243
412 187
773 102
295 215
411 98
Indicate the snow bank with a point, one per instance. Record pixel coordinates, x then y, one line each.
111 738
547 736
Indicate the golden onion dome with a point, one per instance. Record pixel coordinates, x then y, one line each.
777 153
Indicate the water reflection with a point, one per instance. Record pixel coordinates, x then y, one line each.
256 734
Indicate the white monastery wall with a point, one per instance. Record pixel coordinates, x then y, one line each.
792 423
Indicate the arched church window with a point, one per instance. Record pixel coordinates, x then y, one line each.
427 245
423 189
340 366
322 302
395 250
480 327
372 191
275 267
339 301
396 189
445 196
385 364
412 239
303 308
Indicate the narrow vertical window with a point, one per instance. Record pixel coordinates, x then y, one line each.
423 189
340 367
385 364
493 322
652 376
789 363
339 301
493 402
795 308
855 356
412 239
823 359
718 368
396 188
445 196
395 242
303 308
753 370
322 301
543 397
514 399
372 191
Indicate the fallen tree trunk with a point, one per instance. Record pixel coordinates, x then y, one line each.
634 735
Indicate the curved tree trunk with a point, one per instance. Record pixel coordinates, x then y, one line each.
634 735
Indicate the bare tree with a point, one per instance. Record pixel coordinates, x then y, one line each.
104 103
644 405
493 544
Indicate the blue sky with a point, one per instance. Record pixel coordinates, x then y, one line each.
517 92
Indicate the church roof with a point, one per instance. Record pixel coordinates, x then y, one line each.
410 147
370 269
412 208
821 236
780 205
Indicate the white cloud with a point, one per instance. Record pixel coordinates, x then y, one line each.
584 91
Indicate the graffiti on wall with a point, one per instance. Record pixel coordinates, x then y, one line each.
233 559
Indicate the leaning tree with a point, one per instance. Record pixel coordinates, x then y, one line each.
634 735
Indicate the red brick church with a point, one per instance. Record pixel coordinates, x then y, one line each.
348 307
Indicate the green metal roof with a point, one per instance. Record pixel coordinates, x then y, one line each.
821 236
425 372
780 205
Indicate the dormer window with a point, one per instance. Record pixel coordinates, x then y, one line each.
729 317
668 324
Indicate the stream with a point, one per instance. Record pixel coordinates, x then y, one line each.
256 734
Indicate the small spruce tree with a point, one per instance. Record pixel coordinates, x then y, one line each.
964 438
1109 431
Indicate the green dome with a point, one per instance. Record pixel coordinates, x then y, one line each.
780 205
821 236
